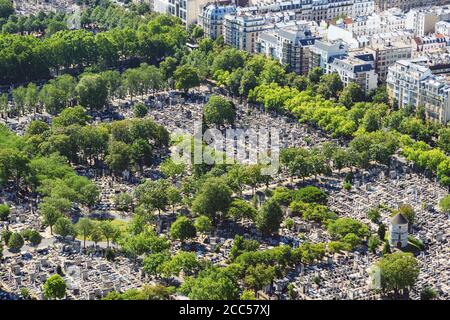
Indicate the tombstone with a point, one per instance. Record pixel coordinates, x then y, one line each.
67 264
260 198
117 286
98 293
126 175
280 284
84 275
91 295
42 277
15 269
268 289
77 261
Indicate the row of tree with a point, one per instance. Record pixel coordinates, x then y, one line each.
159 37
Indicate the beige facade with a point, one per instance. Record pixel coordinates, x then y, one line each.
387 54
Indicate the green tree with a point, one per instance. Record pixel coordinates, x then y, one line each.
296 161
259 276
241 209
338 246
311 194
386 248
153 262
6 8
54 26
211 284
237 178
4 212
54 287
203 224
444 139
219 111
248 295
340 227
118 158
186 77
168 67
350 94
140 110
398 271
34 237
124 202
6 234
32 97
171 169
174 197
197 32
64 227
373 242
269 217
50 215
153 194
96 234
315 74
428 294
185 262
109 231
92 91
248 82
374 215
15 241
444 204
329 85
71 116
84 228
214 196
283 196
182 229
19 96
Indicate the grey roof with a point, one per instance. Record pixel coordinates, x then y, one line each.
399 219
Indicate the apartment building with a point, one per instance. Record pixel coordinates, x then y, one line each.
363 8
411 82
309 10
403 81
322 51
388 21
382 5
429 44
186 10
386 54
241 30
289 44
434 95
357 66
211 18
443 27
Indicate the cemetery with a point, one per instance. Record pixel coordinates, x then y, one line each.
88 275
94 204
